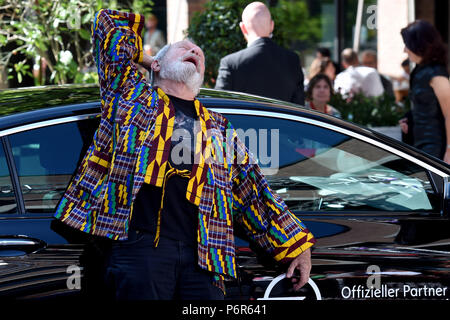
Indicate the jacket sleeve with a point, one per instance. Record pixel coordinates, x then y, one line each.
372 85
224 78
298 95
263 213
117 45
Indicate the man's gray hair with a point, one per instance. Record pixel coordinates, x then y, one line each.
158 57
161 53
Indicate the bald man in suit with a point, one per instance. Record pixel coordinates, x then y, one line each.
263 68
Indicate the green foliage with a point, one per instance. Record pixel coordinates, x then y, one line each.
21 70
65 67
58 32
369 111
294 26
217 32
86 77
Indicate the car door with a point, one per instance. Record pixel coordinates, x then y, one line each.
377 212
37 162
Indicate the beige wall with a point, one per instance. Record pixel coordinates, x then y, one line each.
179 13
177 19
392 16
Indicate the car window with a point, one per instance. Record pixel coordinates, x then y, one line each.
323 170
7 197
46 158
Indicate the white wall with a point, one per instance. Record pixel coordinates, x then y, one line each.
177 19
392 16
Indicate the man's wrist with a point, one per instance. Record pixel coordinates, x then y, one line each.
147 61
305 253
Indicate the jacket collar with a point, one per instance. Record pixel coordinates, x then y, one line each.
165 116
259 42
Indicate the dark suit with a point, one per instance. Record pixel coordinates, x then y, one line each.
264 69
387 85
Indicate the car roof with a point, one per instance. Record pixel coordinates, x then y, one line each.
18 100
22 106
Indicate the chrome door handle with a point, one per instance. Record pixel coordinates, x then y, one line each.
20 243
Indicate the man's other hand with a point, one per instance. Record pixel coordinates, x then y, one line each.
303 264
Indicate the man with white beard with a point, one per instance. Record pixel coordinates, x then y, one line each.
164 215
173 69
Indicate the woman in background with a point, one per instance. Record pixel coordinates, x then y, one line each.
319 94
322 65
429 89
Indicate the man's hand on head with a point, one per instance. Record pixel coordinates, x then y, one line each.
147 61
303 264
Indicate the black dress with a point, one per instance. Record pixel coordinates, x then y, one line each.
429 124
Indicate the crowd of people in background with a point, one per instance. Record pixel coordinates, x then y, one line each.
265 69
427 125
357 78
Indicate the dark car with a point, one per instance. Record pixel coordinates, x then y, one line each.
378 208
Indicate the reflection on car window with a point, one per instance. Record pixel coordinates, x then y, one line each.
322 170
46 158
7 198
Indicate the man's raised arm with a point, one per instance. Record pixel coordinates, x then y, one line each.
117 47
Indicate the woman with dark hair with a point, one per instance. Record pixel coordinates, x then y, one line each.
319 93
322 65
429 89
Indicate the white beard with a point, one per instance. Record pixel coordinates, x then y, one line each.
182 72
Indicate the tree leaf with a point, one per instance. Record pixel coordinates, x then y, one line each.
87 18
84 34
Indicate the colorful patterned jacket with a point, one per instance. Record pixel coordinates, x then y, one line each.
132 146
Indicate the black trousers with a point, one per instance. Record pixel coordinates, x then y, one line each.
136 270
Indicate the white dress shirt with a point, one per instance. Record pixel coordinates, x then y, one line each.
359 79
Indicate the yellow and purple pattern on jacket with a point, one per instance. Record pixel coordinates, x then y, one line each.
132 145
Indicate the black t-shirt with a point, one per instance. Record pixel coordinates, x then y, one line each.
179 217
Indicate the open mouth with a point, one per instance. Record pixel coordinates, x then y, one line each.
191 60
